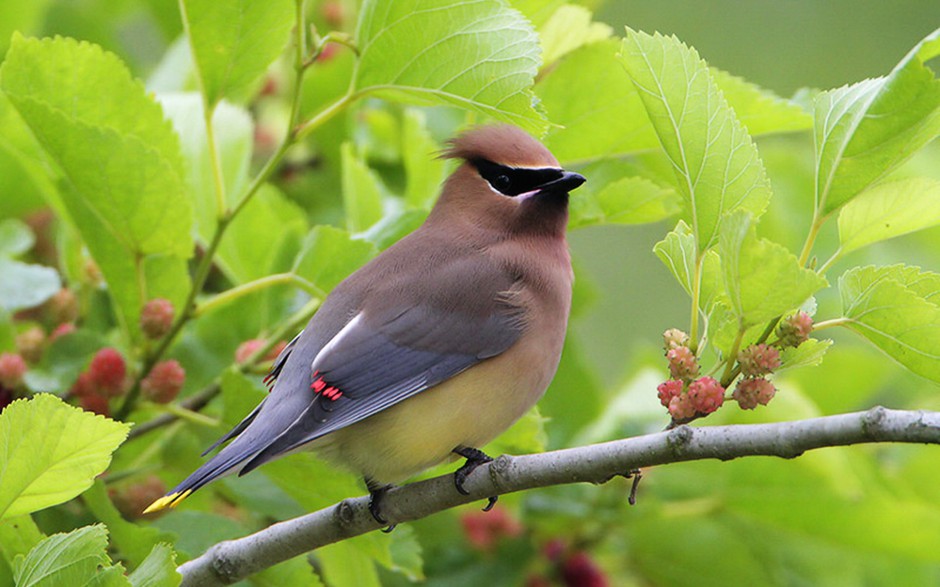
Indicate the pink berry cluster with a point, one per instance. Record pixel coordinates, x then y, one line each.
685 394
688 396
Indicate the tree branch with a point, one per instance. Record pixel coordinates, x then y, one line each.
231 561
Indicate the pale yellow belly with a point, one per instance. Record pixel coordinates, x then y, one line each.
470 410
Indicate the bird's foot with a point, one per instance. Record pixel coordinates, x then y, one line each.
475 457
376 494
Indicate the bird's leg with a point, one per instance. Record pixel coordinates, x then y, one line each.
475 457
377 491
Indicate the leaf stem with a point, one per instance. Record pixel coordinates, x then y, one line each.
230 295
214 160
303 130
696 295
831 323
730 372
818 221
825 266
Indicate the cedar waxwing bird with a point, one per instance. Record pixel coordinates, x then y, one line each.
438 344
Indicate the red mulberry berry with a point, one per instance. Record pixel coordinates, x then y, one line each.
706 395
156 318
107 371
750 392
12 370
668 390
682 363
794 330
164 382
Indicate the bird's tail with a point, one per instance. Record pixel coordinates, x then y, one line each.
220 465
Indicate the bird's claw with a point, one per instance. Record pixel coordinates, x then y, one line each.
376 494
475 457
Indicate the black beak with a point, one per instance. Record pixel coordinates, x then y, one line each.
567 182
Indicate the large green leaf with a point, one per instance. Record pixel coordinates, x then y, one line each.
897 308
628 200
568 28
234 139
67 559
329 255
234 41
264 238
763 279
362 192
121 159
888 210
865 130
50 452
716 163
612 123
479 55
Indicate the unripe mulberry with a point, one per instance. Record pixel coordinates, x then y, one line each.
758 359
706 395
794 330
750 392
63 306
156 318
30 344
12 370
682 363
668 390
674 338
164 382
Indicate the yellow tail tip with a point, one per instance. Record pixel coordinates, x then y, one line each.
166 501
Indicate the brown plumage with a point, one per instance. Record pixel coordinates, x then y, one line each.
438 344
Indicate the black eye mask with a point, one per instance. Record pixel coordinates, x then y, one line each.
512 181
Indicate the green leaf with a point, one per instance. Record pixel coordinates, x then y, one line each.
26 286
134 542
362 192
480 55
865 130
158 569
760 110
296 571
50 452
613 123
65 559
897 308
424 170
763 279
234 41
121 161
568 28
329 255
628 200
716 163
234 138
264 238
345 565
678 254
809 354
18 536
888 210
593 124
15 237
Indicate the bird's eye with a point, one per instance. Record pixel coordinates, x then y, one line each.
502 182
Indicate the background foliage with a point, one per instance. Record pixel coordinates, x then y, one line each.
208 154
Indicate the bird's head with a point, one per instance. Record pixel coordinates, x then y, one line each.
507 180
